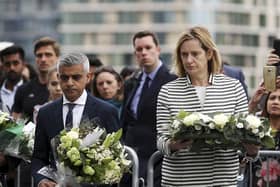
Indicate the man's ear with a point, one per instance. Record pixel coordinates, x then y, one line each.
89 76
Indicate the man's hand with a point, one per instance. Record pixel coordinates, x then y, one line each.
47 183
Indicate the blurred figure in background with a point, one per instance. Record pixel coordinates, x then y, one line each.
13 60
29 72
140 97
127 72
54 89
108 85
35 92
236 73
3 45
94 64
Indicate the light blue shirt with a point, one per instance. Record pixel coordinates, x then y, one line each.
136 97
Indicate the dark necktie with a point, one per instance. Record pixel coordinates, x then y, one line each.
69 116
144 91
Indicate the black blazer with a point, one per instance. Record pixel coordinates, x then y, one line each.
50 123
140 133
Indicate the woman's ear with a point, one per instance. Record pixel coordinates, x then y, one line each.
209 54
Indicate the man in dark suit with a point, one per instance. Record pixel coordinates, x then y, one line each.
73 69
140 98
236 73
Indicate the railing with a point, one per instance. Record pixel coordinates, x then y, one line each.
135 166
156 156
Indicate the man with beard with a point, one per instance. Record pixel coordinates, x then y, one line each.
13 64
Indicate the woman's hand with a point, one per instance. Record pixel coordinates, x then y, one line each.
255 100
251 149
272 58
179 144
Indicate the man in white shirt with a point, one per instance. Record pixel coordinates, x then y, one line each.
13 64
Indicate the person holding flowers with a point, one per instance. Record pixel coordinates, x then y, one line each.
199 88
73 74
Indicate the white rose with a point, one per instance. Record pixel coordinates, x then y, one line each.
29 129
176 124
240 125
212 126
255 131
261 134
205 118
73 134
253 122
197 127
220 120
190 119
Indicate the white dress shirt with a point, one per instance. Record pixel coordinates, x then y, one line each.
77 110
7 96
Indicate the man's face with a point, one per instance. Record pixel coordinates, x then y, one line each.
13 66
45 58
73 80
146 52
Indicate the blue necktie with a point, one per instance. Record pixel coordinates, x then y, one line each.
69 116
144 91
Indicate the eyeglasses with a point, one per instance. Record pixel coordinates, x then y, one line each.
65 78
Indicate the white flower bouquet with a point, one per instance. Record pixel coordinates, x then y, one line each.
90 156
22 145
221 130
250 129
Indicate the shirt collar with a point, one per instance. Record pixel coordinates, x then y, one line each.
4 89
153 73
211 79
80 101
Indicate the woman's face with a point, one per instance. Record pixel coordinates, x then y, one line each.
194 58
107 85
54 86
273 103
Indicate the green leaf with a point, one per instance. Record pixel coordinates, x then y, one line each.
268 142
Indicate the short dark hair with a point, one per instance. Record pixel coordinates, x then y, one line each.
44 41
145 33
96 62
14 49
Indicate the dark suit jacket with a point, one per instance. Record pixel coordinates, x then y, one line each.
50 123
236 73
140 133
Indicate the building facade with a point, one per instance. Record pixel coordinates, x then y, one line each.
243 29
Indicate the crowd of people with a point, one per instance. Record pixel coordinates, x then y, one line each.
142 100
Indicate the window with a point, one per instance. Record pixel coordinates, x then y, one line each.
73 39
122 38
129 17
163 17
232 18
262 20
83 17
237 39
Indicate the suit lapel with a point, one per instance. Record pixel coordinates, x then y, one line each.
58 116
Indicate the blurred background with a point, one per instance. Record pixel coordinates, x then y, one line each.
243 29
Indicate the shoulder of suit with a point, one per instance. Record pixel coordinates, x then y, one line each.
99 103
